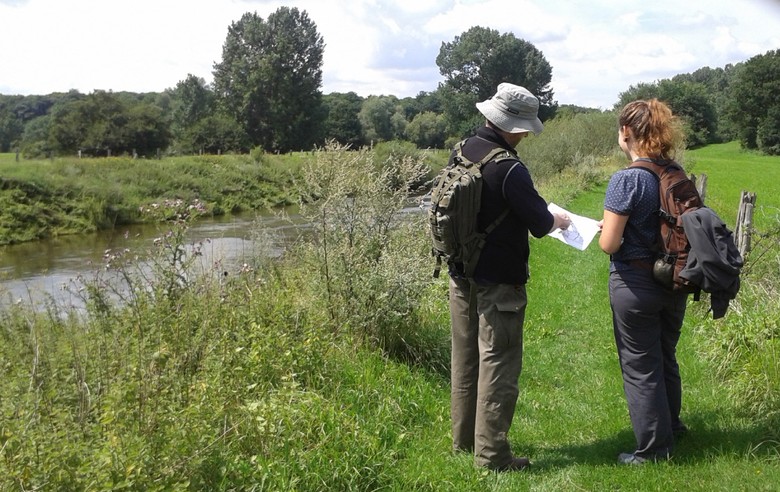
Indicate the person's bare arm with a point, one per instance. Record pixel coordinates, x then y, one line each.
612 228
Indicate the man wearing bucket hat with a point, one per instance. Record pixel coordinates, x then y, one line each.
488 310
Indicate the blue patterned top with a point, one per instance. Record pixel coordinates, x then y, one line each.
634 192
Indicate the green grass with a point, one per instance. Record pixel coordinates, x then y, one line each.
44 198
730 171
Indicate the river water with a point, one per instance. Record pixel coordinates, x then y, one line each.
46 271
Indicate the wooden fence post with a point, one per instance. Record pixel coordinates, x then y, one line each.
701 184
747 203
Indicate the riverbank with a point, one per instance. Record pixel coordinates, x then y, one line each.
45 198
68 195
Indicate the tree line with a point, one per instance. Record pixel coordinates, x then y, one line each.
267 95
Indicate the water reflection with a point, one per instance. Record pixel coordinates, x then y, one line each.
47 270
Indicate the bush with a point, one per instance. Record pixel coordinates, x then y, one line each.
367 253
568 142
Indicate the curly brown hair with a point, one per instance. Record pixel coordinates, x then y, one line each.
656 130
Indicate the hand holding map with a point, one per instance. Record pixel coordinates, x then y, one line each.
581 231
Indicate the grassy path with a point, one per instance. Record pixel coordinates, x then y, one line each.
572 418
574 395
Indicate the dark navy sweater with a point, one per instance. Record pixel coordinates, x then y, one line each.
506 184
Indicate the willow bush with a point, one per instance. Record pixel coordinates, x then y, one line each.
368 248
567 142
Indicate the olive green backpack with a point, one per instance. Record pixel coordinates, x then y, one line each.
455 202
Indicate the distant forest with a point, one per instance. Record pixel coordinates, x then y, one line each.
267 95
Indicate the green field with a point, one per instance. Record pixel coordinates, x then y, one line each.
730 171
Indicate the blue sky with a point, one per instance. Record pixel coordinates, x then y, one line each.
597 48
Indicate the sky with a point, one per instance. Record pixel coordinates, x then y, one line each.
597 48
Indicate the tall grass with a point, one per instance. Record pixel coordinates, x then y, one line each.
570 142
744 348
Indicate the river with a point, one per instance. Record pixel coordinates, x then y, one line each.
39 272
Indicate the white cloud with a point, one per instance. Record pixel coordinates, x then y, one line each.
597 49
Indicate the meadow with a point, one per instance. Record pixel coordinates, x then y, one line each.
327 369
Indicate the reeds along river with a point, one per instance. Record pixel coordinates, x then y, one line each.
47 271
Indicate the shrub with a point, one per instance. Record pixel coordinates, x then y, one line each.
366 254
568 141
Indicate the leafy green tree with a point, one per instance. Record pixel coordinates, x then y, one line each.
689 100
341 121
17 111
270 77
768 132
11 127
218 133
753 104
191 102
93 124
146 131
376 118
475 62
642 90
106 123
429 101
716 81
427 130
36 140
398 122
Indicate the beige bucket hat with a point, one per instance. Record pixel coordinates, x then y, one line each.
513 109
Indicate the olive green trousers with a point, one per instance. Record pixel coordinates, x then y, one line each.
487 357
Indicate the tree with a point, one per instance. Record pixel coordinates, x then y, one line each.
146 131
427 130
376 118
689 100
94 124
753 105
716 82
11 127
104 123
218 133
17 111
768 132
694 103
36 141
270 77
341 121
475 62
192 101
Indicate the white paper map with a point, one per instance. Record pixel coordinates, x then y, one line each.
581 231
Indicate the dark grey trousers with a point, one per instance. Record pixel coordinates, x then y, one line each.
487 357
647 322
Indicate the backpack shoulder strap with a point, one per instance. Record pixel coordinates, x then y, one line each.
497 155
653 166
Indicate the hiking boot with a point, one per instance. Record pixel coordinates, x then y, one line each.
630 459
517 464
680 431
633 459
